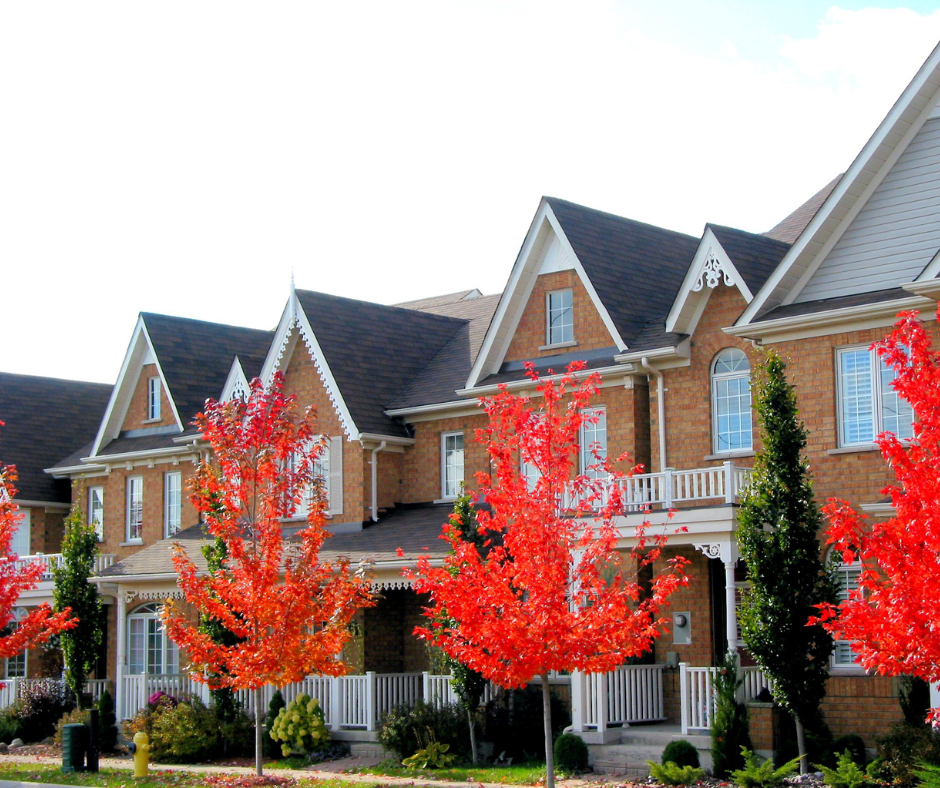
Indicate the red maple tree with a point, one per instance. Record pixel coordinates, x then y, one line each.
290 612
549 591
40 623
892 615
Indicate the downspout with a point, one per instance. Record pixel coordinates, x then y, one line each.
661 409
375 490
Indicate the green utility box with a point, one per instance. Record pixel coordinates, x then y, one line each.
74 747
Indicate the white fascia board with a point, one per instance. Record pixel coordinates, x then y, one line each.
141 456
658 356
928 288
393 439
236 376
835 321
516 385
693 296
134 579
90 470
22 502
518 290
930 271
137 352
278 358
872 164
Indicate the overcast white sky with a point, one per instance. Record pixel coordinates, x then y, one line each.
186 157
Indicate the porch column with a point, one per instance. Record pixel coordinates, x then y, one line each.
731 619
121 655
577 701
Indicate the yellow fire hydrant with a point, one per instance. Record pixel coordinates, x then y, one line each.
141 754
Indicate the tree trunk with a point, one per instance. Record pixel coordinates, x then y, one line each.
471 718
547 716
801 745
258 768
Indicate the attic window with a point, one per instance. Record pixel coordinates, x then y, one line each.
153 399
559 314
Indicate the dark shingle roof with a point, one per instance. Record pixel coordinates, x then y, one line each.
790 228
441 300
636 269
755 256
196 357
374 351
839 302
46 418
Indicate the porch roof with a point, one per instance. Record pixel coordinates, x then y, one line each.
415 531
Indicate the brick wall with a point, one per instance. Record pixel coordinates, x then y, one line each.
695 599
590 332
421 464
388 644
136 416
864 705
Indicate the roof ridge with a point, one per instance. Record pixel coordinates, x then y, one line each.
55 379
625 219
763 237
145 315
373 305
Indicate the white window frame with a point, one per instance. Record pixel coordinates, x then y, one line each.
172 503
718 378
134 509
96 510
16 667
153 399
144 622
566 328
847 577
587 437
320 468
876 364
450 493
23 532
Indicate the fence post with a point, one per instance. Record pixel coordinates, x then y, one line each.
370 700
426 695
730 492
577 701
603 711
336 697
684 696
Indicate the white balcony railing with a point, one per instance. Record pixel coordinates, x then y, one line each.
718 483
627 695
697 696
53 560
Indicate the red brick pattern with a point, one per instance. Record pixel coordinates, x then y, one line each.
136 416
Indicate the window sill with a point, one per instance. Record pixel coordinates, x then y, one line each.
847 670
152 421
559 345
131 543
445 500
730 455
855 449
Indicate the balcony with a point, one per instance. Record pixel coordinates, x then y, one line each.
670 488
52 560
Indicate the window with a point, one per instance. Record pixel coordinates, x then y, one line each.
153 399
20 545
149 650
559 317
321 474
868 405
731 401
172 502
846 577
15 666
451 464
96 510
594 443
135 508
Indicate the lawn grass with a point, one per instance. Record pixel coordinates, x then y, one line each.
526 773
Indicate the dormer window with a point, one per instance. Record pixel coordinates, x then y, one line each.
153 399
559 314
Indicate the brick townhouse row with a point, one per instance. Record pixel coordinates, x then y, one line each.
672 323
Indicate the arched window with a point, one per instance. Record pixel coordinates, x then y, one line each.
731 401
846 577
149 650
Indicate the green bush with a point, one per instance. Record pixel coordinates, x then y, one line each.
671 774
404 727
271 748
847 773
185 733
762 775
514 722
107 729
301 728
237 734
39 708
681 753
929 776
69 718
904 748
9 724
729 724
571 754
818 742
854 744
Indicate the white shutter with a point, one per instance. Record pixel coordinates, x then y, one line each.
336 475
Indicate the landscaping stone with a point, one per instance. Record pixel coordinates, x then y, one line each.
16 743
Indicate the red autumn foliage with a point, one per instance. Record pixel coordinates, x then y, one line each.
41 623
892 617
548 591
290 611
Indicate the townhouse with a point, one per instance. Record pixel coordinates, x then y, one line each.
672 323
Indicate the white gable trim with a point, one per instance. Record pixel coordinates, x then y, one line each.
710 266
932 269
873 163
139 353
236 381
282 349
544 228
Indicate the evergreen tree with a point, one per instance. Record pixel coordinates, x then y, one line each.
778 527
226 704
81 645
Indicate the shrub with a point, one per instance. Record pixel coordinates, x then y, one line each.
107 729
847 774
681 753
729 729
69 718
183 733
432 755
854 744
38 709
9 724
301 727
404 727
762 775
818 741
514 722
271 748
670 774
571 754
237 734
904 748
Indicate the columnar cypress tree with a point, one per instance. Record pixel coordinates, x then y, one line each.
82 644
778 526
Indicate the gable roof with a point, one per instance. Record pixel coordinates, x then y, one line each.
754 256
45 419
374 351
441 300
789 228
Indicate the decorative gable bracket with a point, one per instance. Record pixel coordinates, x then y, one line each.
712 272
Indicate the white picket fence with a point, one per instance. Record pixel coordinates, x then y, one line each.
11 689
626 695
697 696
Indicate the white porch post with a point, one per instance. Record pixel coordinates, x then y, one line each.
370 700
336 696
730 492
577 701
603 713
684 696
119 699
731 618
